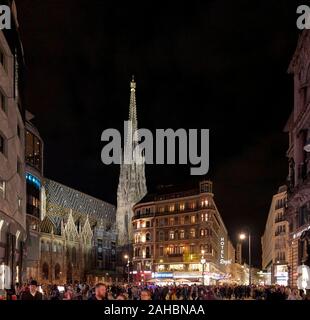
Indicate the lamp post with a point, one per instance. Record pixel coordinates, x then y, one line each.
243 236
203 262
126 256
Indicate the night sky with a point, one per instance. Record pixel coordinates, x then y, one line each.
220 65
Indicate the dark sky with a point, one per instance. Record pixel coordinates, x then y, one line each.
220 65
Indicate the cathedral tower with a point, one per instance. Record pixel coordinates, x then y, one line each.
132 184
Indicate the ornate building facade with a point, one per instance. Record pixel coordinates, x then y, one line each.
174 229
275 246
298 129
74 234
12 152
132 184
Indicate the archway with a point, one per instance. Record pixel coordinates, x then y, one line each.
57 271
69 273
45 271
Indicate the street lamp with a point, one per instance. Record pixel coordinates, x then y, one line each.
126 256
243 236
203 262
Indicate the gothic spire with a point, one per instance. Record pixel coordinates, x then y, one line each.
133 106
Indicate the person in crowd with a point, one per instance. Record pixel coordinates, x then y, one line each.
32 293
145 295
55 294
68 295
100 292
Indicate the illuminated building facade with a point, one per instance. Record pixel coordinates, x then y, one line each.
298 153
12 145
77 235
132 183
275 246
173 229
35 196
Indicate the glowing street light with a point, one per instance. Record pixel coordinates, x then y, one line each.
243 236
126 257
203 262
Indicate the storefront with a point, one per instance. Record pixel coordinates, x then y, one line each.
281 274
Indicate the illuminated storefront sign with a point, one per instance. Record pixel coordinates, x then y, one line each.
222 252
31 178
281 274
187 275
163 275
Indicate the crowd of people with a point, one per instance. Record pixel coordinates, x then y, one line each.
101 291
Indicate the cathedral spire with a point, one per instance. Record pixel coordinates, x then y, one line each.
132 105
132 184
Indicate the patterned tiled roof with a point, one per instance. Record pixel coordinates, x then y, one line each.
60 198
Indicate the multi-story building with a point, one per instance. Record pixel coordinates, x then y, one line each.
298 128
35 196
77 235
12 157
174 230
275 246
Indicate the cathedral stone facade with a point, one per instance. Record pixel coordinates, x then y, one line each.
74 232
132 184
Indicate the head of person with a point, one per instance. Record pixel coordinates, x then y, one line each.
33 286
145 294
100 290
121 297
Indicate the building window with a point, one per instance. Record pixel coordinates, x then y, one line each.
171 235
47 247
2 145
204 203
171 208
193 233
3 102
171 221
170 250
19 203
18 131
193 205
148 224
45 271
148 236
202 232
33 150
161 209
182 206
19 167
2 189
147 252
182 234
2 59
182 220
192 249
193 219
161 251
57 271
161 236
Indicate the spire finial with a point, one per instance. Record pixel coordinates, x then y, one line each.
133 83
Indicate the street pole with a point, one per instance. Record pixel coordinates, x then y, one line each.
128 271
203 274
250 275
